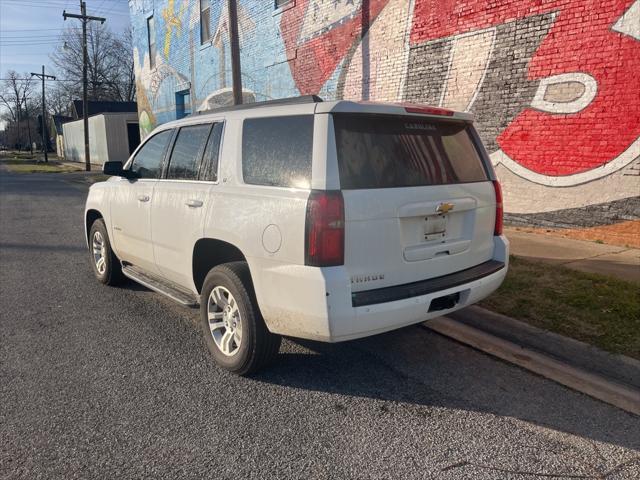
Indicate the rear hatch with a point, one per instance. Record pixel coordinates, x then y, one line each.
418 199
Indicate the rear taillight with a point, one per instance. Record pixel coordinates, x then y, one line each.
499 208
324 229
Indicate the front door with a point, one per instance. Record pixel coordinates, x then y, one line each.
182 199
132 201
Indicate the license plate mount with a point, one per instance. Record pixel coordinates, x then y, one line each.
435 227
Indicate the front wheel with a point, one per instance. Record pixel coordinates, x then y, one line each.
231 323
106 265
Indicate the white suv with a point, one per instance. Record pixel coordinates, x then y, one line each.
320 220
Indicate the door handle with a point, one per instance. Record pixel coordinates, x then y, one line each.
143 198
193 203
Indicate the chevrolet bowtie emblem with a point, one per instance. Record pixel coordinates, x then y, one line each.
444 208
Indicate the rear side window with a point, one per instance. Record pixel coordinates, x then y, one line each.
391 151
187 152
211 153
277 151
148 161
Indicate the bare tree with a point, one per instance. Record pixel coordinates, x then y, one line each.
59 98
14 89
110 73
124 88
17 109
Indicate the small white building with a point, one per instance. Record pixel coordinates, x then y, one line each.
112 136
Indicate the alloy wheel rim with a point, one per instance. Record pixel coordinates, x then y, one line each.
224 321
99 253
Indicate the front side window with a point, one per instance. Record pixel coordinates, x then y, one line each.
210 159
205 21
277 151
151 38
187 152
377 151
148 161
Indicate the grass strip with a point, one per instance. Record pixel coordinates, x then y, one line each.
596 309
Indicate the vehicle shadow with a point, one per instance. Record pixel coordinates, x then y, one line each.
417 367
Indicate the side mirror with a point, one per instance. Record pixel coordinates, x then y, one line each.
112 168
115 169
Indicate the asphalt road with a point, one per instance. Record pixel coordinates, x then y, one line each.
100 382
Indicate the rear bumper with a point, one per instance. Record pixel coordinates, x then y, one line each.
424 287
318 304
372 319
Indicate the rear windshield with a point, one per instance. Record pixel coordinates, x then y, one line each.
392 151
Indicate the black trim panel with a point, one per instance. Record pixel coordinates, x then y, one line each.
423 287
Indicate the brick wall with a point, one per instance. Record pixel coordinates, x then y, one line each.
553 84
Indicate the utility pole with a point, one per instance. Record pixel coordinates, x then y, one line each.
19 128
234 43
44 113
26 111
85 102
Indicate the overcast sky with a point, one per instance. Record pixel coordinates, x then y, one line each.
30 29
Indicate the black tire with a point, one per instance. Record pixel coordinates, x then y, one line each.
258 347
112 274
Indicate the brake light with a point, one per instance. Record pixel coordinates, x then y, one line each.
324 229
499 208
430 111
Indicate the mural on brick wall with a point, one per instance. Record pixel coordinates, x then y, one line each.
553 84
569 88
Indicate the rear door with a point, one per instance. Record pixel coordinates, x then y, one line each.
418 200
132 202
182 198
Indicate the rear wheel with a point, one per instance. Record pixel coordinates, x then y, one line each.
231 323
106 265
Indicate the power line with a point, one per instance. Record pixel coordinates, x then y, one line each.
29 4
110 10
62 3
17 45
35 37
31 54
36 41
41 2
50 2
41 29
48 80
97 10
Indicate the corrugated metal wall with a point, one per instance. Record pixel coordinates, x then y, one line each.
116 134
108 139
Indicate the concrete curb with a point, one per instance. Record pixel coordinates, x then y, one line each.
614 367
614 393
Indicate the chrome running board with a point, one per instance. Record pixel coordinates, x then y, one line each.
160 285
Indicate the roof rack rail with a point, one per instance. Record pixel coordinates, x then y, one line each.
266 103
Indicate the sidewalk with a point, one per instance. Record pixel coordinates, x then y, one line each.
95 167
620 262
